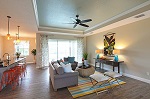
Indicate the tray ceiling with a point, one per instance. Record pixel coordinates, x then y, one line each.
56 13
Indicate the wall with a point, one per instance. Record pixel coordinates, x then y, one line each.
8 47
1 46
134 40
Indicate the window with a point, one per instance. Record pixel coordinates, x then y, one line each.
23 48
58 49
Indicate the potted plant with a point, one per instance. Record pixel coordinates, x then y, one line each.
34 54
85 55
18 54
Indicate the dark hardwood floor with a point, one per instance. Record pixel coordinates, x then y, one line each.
36 85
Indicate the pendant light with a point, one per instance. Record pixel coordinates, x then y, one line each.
8 35
18 35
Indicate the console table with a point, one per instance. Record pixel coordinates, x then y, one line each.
108 62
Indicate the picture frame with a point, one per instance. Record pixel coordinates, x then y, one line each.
109 43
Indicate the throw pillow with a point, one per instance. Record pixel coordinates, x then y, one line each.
67 68
61 60
71 59
58 61
65 63
65 59
59 69
52 62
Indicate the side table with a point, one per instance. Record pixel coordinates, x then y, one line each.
85 72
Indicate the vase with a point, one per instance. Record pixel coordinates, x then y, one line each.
116 58
86 62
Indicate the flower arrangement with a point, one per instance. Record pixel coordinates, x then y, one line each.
17 54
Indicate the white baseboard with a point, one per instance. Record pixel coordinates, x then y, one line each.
131 76
137 78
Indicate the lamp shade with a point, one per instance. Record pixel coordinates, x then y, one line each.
98 51
116 51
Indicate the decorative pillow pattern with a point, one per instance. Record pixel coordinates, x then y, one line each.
71 59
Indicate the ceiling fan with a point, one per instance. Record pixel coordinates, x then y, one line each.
77 21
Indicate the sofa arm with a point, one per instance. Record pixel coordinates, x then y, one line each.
73 73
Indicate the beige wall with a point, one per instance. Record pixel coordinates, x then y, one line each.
1 46
8 47
134 40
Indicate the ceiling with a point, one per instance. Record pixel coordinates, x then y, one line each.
22 14
55 13
51 16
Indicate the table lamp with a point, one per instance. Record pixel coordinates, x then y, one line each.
98 52
116 52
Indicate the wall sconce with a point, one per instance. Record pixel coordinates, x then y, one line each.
116 53
98 52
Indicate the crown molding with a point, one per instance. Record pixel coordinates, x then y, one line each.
120 23
59 31
35 12
126 14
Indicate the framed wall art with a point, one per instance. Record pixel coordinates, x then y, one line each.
109 43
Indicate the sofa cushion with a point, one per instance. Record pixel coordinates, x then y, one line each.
65 59
59 69
71 59
67 68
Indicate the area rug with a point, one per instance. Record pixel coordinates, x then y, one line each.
84 87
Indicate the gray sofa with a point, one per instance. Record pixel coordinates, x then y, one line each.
60 80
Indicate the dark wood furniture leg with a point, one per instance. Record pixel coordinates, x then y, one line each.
95 65
118 68
113 68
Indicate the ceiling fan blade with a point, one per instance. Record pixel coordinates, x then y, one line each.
69 23
74 25
83 25
73 19
87 20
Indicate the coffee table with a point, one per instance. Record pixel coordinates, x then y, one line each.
85 71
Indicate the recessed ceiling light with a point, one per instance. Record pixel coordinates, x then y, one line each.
138 16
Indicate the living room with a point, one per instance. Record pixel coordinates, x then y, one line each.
47 21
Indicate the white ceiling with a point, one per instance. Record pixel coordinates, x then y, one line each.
22 14
51 16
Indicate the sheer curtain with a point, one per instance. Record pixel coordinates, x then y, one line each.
80 49
44 56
